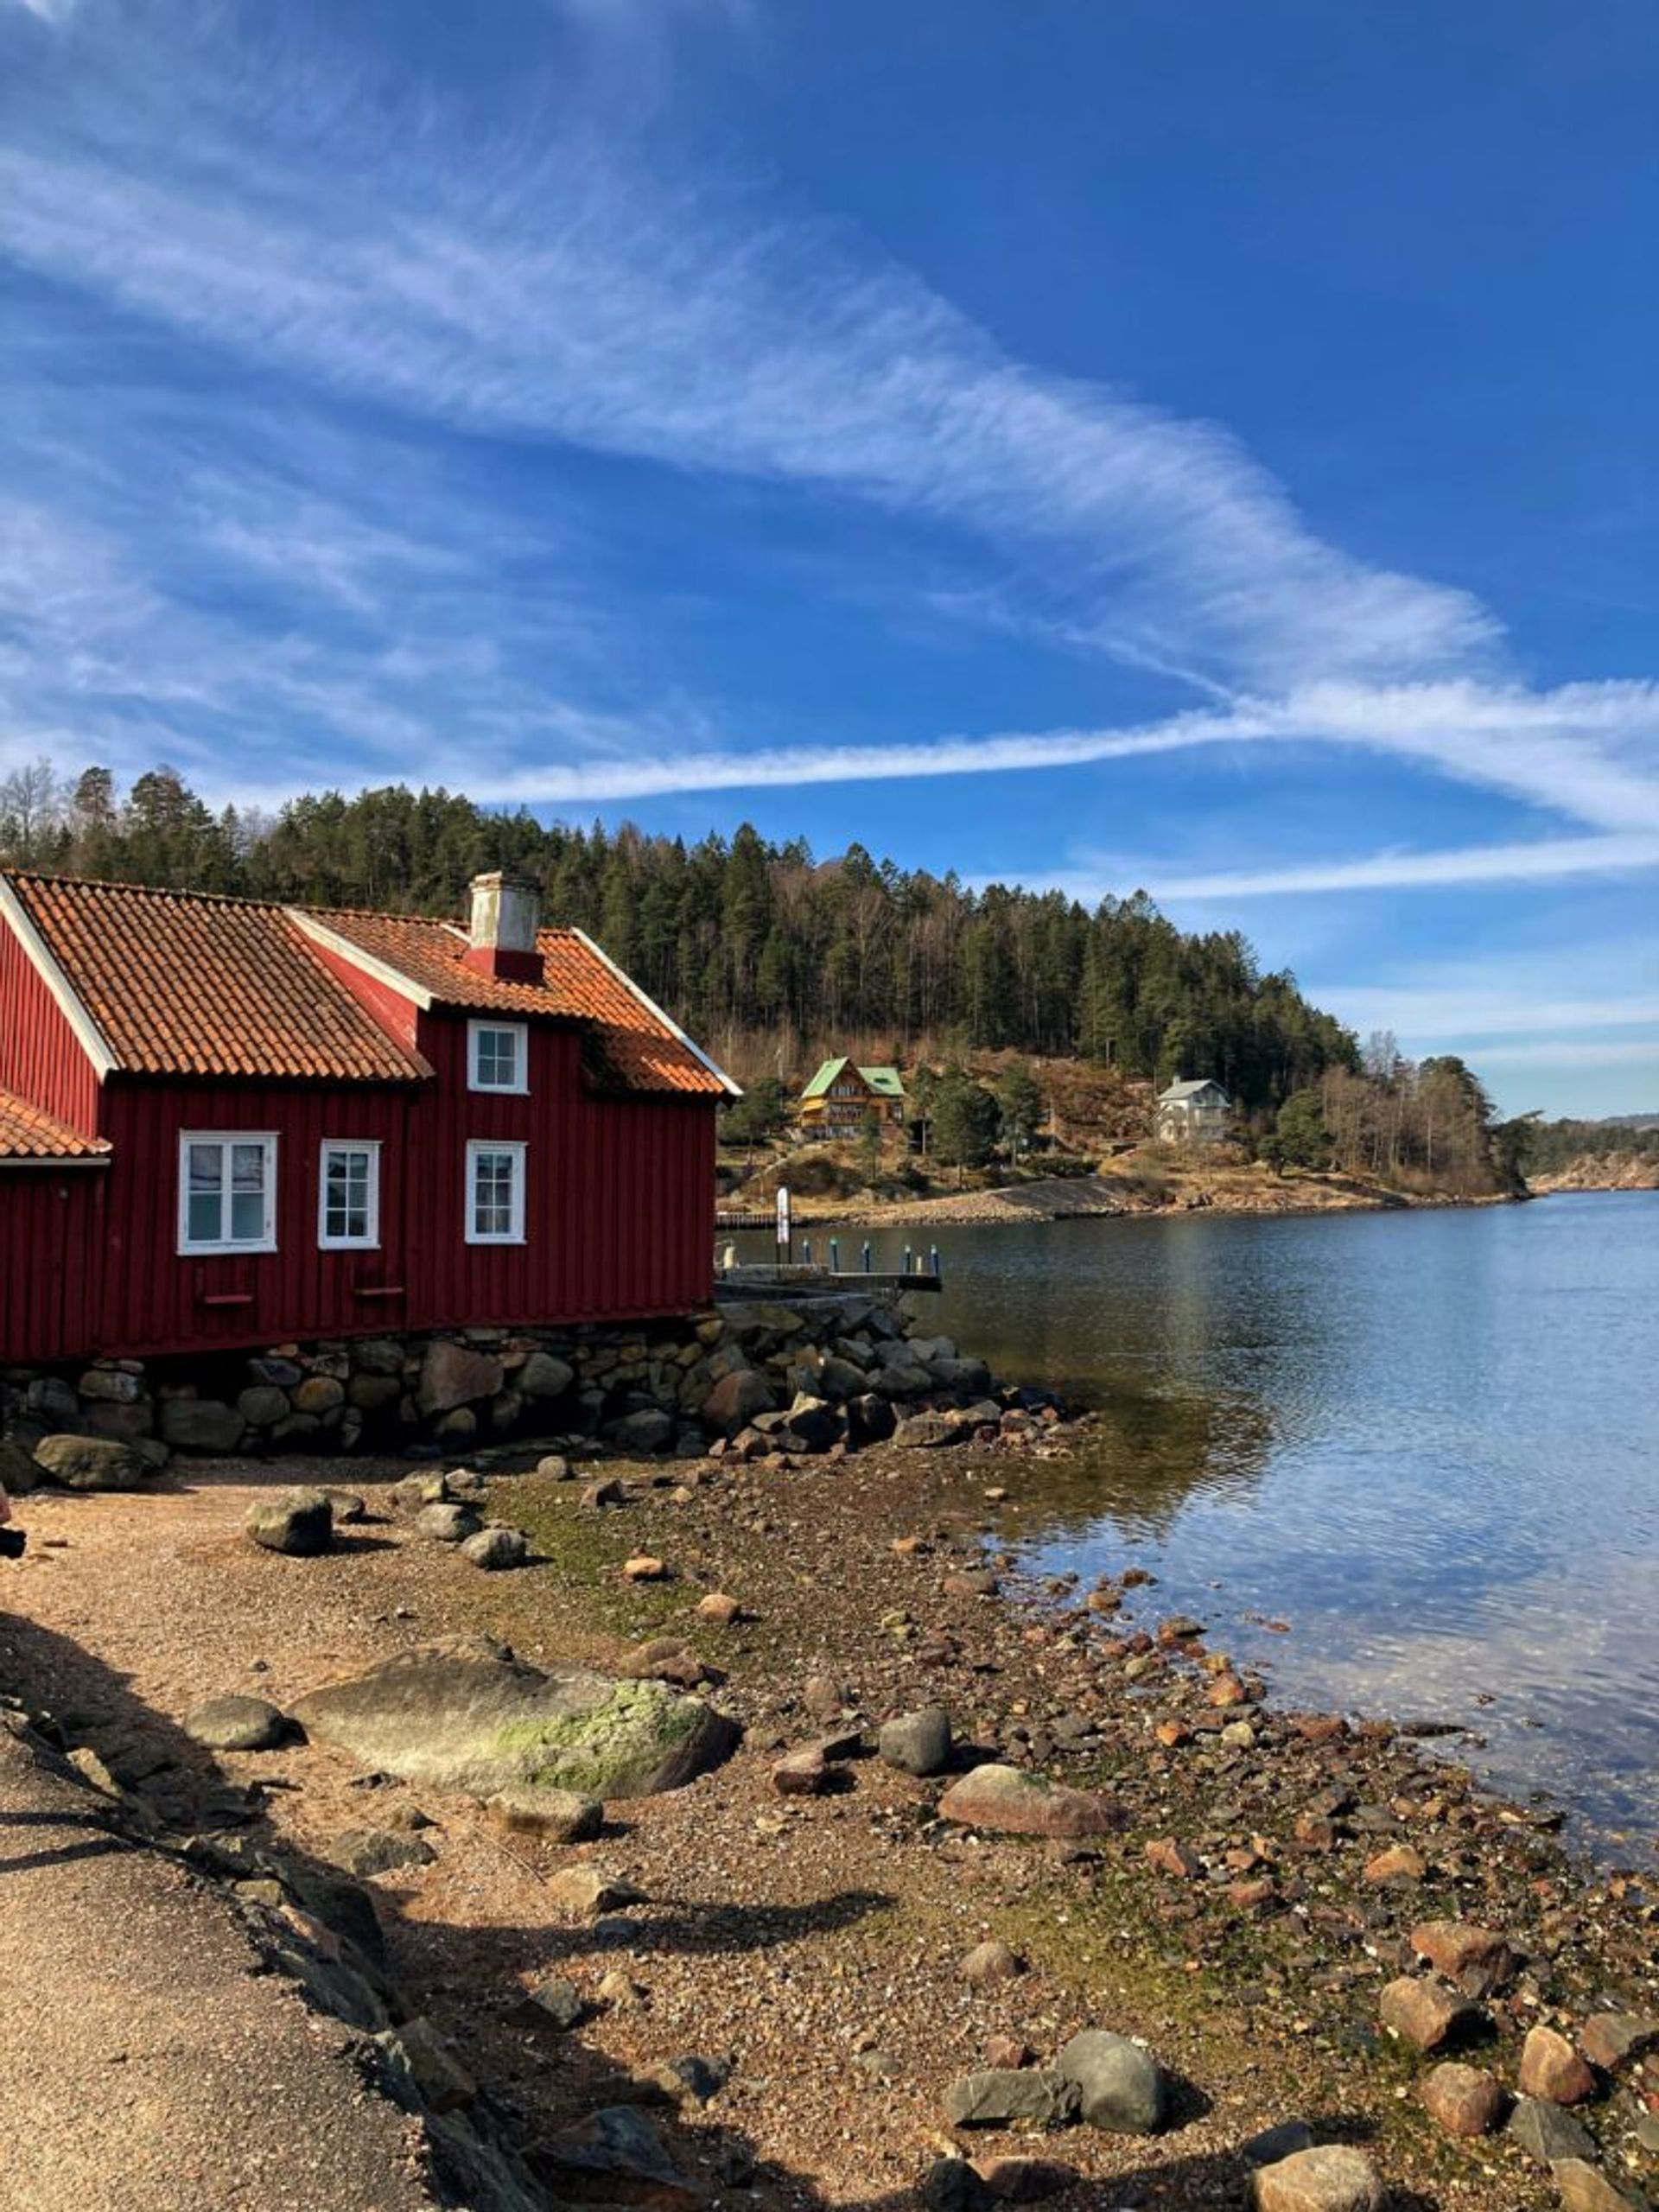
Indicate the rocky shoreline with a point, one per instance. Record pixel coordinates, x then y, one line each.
1106 1197
1608 1170
1012 1890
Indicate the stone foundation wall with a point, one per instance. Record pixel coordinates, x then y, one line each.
809 1375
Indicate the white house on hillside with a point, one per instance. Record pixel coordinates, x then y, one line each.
1193 1113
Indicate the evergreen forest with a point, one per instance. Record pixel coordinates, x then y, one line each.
769 954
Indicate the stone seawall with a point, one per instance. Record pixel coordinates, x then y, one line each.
815 1373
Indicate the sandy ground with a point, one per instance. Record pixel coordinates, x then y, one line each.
813 1943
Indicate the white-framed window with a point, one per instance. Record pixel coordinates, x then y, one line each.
348 1195
495 1191
497 1055
227 1190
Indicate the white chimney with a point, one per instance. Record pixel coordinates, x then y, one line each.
506 914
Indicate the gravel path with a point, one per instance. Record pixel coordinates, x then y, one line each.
146 2068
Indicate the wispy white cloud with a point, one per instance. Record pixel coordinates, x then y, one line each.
1545 748
1531 860
553 290
1469 1013
1574 1052
287 213
1514 1005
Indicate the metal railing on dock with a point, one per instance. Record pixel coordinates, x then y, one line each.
745 1279
913 1274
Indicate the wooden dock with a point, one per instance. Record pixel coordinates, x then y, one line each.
802 1281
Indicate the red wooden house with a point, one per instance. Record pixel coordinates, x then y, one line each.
223 1124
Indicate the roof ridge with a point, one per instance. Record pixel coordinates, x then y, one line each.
61 879
57 880
375 913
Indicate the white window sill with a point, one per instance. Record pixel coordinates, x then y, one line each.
212 1251
487 1240
348 1243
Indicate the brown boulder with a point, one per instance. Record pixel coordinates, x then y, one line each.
1024 2181
1584 2188
452 1374
550 1815
735 1400
1397 1866
1426 2014
805 1773
987 1964
1479 1960
1462 2099
1611 2040
1014 1802
1551 2067
1331 2177
1168 1855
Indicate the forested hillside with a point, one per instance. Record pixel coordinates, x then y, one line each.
1550 1147
769 954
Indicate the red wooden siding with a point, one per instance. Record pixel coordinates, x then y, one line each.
40 1056
619 1210
398 1015
52 1222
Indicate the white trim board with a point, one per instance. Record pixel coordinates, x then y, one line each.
43 960
370 962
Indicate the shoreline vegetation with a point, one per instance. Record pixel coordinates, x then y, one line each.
787 1972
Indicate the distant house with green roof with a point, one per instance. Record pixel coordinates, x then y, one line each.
841 1096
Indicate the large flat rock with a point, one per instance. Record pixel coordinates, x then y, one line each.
467 1716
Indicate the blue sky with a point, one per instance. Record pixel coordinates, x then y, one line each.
1169 443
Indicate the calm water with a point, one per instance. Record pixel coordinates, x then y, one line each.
1429 1442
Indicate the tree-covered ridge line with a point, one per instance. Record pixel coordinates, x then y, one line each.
1547 1147
770 955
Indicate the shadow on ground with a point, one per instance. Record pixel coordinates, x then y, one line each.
177 1792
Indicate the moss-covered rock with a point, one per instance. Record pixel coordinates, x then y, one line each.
469 1716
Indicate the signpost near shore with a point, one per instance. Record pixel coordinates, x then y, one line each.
785 1243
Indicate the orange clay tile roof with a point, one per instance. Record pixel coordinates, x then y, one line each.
28 1132
631 1045
183 983
179 983
627 1044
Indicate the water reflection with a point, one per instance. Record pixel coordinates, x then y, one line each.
1431 1441
1142 1462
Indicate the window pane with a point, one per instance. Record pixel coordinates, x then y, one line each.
497 1059
494 1175
248 1167
206 1167
348 1173
202 1217
247 1217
